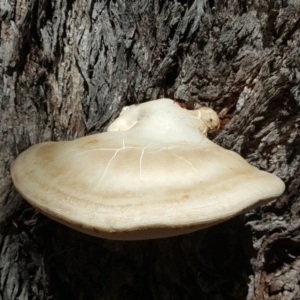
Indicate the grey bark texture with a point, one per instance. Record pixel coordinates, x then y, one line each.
67 69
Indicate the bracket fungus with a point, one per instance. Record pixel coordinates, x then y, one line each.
153 174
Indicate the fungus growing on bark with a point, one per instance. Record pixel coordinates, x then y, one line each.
153 174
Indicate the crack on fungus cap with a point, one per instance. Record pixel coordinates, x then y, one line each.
153 174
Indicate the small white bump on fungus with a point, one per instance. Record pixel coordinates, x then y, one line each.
153 174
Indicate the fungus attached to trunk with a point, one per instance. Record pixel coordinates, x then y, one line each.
153 174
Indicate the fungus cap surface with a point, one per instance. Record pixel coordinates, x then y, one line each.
153 174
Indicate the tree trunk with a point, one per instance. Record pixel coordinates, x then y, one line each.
68 67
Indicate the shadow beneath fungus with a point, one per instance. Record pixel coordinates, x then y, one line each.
200 265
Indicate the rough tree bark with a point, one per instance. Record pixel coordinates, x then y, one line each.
68 67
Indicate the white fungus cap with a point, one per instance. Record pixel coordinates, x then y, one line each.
153 174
